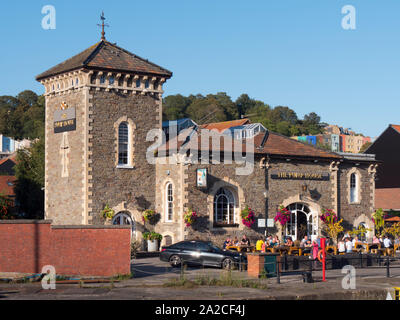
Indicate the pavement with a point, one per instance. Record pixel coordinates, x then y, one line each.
150 276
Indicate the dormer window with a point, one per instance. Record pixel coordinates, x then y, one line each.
138 83
103 79
147 84
76 81
111 80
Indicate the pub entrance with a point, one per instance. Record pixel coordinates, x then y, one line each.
303 222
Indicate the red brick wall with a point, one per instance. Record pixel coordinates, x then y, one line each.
27 246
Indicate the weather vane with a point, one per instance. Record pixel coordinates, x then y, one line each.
102 25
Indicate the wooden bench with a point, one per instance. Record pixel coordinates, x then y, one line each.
296 250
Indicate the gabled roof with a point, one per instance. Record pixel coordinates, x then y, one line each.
222 126
10 158
395 127
108 56
276 145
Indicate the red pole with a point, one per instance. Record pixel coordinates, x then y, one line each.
323 258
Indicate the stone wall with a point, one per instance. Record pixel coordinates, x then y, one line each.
65 193
132 188
351 211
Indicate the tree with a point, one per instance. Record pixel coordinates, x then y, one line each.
29 172
365 146
22 116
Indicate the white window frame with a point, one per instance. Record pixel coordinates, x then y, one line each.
231 205
354 189
129 151
169 202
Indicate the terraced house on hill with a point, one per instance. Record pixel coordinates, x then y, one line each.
100 106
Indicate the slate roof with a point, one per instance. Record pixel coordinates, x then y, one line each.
276 145
107 56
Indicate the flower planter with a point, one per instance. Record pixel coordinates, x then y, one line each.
152 245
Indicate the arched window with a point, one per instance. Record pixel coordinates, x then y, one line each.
353 188
224 207
169 205
123 144
124 218
362 237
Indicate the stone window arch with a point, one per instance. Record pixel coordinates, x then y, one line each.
169 202
124 142
224 206
354 186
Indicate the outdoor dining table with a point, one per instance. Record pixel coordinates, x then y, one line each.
241 248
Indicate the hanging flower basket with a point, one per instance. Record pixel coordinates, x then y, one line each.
189 217
248 217
148 215
282 215
328 216
107 213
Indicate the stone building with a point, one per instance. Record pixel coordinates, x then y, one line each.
100 105
103 114
286 173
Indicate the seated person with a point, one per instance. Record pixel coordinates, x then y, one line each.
245 241
349 245
387 243
341 246
375 240
289 242
268 241
227 243
307 247
259 244
235 241
304 241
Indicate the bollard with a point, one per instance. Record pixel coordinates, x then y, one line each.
387 268
278 276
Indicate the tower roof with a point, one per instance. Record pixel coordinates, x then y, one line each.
106 56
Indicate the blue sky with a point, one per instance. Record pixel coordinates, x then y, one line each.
283 52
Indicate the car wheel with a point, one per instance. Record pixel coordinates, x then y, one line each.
227 264
175 261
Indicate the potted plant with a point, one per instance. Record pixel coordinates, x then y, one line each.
107 213
189 217
248 218
153 238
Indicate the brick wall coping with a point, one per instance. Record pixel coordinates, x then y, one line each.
91 227
262 254
23 221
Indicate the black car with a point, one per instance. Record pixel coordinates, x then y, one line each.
201 253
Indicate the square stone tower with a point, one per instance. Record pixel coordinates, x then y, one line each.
100 105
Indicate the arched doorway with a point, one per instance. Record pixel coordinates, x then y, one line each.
124 218
302 222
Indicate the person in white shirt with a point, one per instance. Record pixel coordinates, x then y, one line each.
349 246
354 241
386 242
341 246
